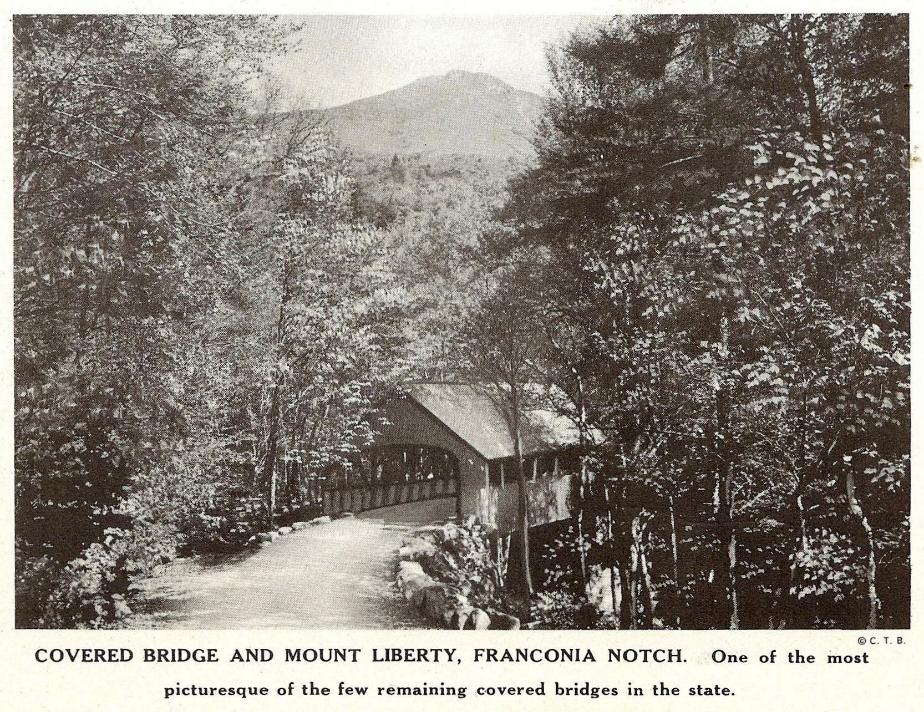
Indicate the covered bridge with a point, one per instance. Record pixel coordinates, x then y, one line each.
453 440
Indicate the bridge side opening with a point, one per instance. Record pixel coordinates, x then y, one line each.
388 475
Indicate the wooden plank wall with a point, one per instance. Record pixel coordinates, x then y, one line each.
363 498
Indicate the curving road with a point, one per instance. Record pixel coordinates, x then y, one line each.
336 575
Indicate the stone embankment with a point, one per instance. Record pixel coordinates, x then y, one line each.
269 537
444 603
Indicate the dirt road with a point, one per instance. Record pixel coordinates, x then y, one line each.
335 575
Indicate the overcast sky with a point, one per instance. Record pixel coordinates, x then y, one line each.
345 57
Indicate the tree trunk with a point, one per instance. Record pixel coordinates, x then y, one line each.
725 565
297 446
797 614
706 52
626 611
634 579
617 563
503 559
806 76
733 619
579 522
272 439
675 560
647 596
615 588
522 505
582 487
310 444
723 484
269 462
872 619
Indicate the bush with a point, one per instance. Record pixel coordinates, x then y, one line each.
172 505
93 590
36 579
229 523
562 610
460 556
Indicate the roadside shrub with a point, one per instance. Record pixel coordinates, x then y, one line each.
173 505
227 524
460 556
94 589
563 610
36 579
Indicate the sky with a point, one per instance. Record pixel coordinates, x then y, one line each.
347 57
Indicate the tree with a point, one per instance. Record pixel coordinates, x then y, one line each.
196 308
657 205
505 348
110 223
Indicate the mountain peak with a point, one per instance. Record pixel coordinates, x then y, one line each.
459 112
473 76
462 80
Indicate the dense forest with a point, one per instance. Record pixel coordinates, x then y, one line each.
708 254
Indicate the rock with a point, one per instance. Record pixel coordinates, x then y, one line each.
440 605
413 586
502 621
267 537
477 620
417 549
412 579
435 604
283 531
320 520
298 526
119 606
415 590
599 592
428 529
425 569
407 569
459 598
460 617
345 515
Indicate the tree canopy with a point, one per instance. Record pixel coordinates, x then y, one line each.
728 200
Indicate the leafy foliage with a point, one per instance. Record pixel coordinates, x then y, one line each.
202 322
724 206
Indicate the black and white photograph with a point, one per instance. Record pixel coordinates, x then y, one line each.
511 322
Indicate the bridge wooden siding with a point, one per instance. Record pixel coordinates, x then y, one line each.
362 498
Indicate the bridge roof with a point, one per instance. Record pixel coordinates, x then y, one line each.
475 413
